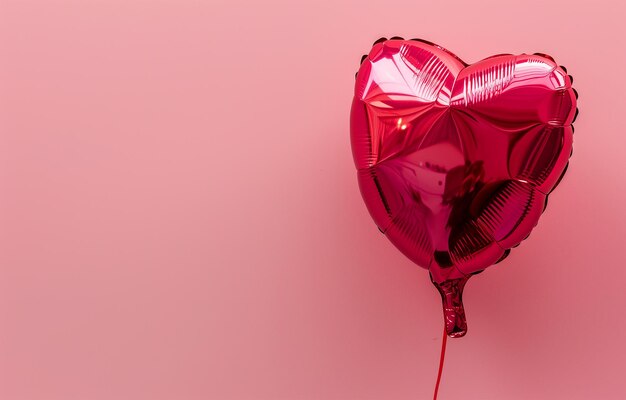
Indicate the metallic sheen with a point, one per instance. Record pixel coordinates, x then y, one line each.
455 161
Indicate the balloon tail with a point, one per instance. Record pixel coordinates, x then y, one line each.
452 301
441 358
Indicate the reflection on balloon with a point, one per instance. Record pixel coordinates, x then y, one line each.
455 161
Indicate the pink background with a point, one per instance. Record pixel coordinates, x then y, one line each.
180 219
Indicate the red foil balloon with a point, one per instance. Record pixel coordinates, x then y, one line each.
455 161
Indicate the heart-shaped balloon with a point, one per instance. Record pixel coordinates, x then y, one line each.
455 161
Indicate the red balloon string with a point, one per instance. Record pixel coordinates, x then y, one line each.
441 358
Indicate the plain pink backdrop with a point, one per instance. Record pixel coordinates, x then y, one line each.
180 218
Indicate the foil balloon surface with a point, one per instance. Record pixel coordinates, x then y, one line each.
455 161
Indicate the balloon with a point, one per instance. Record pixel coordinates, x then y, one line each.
455 161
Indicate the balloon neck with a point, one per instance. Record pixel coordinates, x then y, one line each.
452 301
